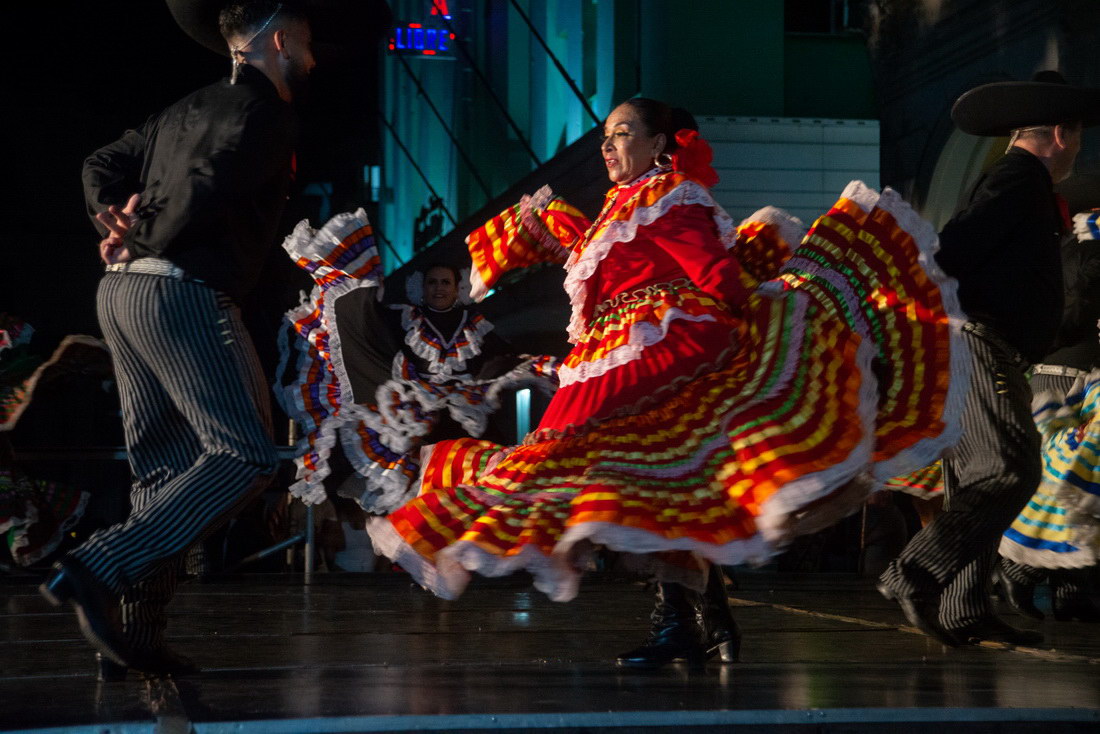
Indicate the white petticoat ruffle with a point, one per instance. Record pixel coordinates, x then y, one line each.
642 335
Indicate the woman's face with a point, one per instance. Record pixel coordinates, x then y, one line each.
440 288
628 148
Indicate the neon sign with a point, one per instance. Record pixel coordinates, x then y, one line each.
420 39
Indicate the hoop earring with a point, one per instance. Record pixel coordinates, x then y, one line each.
664 165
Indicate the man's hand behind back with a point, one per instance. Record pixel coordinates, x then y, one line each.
117 221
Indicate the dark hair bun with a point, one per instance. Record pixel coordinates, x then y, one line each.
658 117
682 120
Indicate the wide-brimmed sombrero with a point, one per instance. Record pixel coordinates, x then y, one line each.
1001 107
338 26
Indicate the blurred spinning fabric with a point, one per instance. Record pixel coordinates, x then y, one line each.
728 390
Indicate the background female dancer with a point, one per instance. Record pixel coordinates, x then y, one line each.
372 384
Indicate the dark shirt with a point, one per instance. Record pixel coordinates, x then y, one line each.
1003 248
213 171
367 343
1078 343
495 358
370 335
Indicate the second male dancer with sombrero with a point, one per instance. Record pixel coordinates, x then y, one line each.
1003 248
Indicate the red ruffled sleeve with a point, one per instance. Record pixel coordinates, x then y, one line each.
541 228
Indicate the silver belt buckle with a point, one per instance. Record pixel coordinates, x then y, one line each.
1058 370
149 266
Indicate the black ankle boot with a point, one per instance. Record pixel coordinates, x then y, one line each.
721 635
159 662
1019 596
674 634
97 609
1080 608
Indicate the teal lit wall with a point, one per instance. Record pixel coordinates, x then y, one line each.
595 41
713 57
845 89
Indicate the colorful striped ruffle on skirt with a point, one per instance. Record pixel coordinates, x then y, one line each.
340 257
1060 526
381 440
925 483
849 370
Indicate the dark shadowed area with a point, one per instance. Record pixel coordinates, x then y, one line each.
87 72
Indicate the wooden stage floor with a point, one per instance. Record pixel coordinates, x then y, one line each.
366 652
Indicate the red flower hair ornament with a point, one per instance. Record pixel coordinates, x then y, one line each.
693 158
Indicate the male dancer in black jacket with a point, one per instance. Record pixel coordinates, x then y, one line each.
1003 248
189 204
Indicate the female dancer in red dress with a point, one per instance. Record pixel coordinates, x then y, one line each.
723 395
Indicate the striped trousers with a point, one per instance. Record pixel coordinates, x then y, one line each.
988 478
197 423
1066 584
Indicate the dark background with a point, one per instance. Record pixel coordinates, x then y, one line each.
81 74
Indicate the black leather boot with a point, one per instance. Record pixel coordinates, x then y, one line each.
1071 597
995 629
674 634
1019 596
97 609
158 663
1080 608
721 635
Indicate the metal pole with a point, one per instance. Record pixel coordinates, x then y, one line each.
564 74
386 242
460 44
862 536
309 547
465 158
268 551
424 178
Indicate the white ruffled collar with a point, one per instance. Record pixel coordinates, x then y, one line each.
444 358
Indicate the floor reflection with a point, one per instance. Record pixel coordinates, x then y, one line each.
377 646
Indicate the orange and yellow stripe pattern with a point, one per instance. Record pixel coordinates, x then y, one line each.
519 237
728 466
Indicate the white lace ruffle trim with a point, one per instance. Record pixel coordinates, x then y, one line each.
387 488
642 335
416 324
1086 555
791 229
927 450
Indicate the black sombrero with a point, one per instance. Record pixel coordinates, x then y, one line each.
1001 107
338 25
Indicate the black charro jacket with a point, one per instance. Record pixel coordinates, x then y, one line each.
1003 248
213 171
